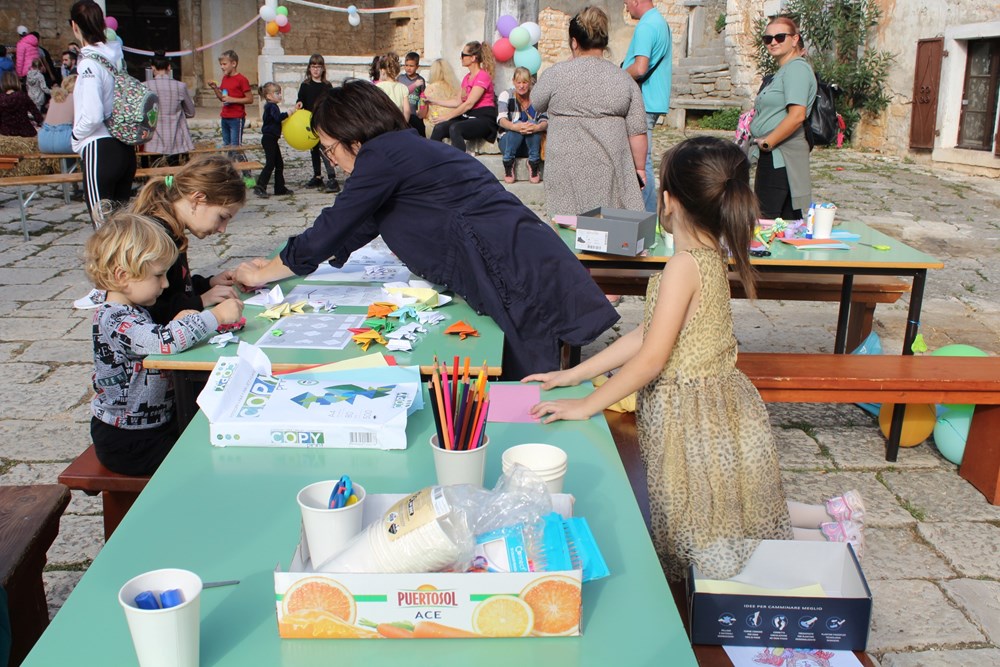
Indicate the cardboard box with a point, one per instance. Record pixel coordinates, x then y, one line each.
442 604
615 231
248 408
795 614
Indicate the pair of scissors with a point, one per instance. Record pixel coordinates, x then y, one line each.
342 492
876 246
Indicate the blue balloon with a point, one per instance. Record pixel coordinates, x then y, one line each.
951 432
528 58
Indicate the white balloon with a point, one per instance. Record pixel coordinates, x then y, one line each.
351 9
267 13
534 30
354 19
281 19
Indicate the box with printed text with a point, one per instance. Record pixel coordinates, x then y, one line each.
795 594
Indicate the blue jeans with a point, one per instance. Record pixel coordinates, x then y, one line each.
232 131
649 192
55 138
511 143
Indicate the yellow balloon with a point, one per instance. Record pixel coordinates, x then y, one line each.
296 131
918 423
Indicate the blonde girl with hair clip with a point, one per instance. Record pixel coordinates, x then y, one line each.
133 424
310 90
441 84
472 115
705 440
200 199
388 68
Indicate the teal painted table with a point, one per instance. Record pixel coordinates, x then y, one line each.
231 514
191 367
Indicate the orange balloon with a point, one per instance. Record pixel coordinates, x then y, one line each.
272 28
918 423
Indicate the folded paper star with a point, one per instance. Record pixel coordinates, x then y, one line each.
462 329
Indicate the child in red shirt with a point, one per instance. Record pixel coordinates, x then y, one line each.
234 93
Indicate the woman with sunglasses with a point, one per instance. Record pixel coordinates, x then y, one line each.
779 145
450 220
474 114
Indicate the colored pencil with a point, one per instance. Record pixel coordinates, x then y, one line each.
443 439
434 409
454 382
476 435
449 426
460 416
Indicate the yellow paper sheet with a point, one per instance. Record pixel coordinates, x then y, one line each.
369 361
723 587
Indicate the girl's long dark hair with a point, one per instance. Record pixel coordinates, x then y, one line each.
710 179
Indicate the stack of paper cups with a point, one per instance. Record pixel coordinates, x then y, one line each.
823 221
546 461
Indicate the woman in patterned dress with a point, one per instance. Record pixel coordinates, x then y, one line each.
711 465
595 154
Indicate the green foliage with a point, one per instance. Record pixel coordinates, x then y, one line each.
837 35
723 119
720 23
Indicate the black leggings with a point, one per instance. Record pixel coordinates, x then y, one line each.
773 191
108 171
272 162
132 451
478 123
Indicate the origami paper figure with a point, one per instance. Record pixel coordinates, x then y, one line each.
366 338
462 329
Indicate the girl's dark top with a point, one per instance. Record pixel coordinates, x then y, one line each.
447 218
272 120
14 111
184 291
310 91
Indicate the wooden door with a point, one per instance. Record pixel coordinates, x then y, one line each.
977 124
926 84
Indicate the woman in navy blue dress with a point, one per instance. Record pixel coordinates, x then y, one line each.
446 217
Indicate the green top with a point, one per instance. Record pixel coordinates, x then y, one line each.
783 256
795 83
488 346
231 514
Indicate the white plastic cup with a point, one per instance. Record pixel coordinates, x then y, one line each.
328 531
459 466
547 461
164 637
823 222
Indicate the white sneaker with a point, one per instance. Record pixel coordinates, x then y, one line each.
94 299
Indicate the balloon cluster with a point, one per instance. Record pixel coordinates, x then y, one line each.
276 18
110 28
518 42
353 17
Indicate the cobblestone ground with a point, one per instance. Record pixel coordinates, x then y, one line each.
933 559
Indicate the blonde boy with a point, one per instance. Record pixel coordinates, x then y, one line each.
234 93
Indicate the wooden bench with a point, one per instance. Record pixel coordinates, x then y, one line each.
868 291
846 378
35 182
29 524
118 492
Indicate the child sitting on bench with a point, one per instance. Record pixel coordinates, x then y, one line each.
133 425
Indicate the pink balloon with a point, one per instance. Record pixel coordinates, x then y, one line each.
503 50
111 22
505 24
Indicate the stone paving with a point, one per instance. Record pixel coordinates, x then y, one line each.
933 543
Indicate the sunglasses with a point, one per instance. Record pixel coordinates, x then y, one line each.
468 55
779 37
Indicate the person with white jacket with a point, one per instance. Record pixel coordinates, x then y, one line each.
108 164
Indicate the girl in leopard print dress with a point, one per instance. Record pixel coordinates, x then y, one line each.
705 440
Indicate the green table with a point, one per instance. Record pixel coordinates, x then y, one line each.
231 514
899 260
191 367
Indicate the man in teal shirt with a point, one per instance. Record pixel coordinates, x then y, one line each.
649 62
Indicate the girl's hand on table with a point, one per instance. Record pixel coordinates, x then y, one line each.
229 311
218 294
553 379
573 409
224 278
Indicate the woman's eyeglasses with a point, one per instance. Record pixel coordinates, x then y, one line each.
328 150
779 37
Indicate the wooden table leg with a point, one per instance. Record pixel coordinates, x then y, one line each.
981 462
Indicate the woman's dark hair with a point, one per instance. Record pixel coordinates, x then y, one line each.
89 18
373 72
710 178
160 61
10 81
590 28
356 111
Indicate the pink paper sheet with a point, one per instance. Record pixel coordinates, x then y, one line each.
511 402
